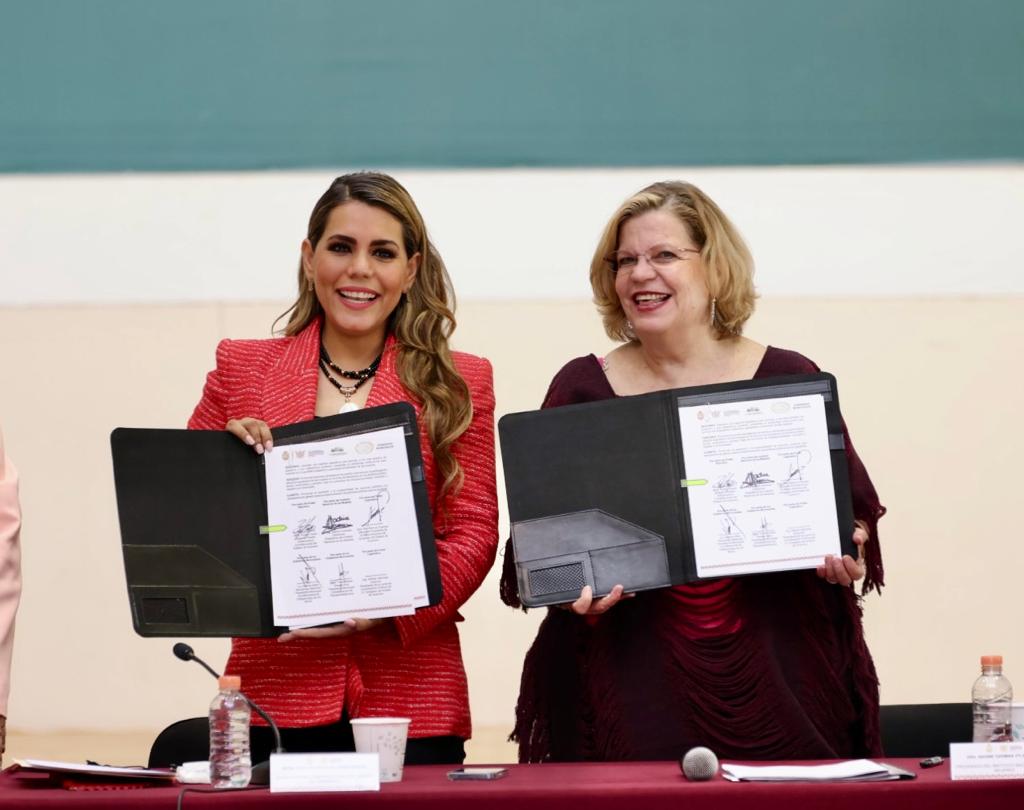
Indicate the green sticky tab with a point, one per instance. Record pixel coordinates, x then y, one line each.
278 527
693 482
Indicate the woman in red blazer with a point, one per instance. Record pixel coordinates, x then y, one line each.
370 326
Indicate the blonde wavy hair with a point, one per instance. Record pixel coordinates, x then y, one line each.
728 265
422 322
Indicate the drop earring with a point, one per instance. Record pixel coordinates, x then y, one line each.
714 310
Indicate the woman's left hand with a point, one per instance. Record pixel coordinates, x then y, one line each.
845 570
339 630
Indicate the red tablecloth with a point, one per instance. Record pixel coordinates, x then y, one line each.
587 786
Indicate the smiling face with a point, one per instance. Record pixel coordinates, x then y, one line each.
359 269
659 294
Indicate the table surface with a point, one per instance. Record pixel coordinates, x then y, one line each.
649 785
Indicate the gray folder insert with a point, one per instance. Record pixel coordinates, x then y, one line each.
557 555
185 590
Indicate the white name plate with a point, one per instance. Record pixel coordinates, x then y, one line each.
1003 760
320 773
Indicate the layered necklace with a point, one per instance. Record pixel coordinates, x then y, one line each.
358 378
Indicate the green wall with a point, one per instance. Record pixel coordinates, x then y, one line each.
108 85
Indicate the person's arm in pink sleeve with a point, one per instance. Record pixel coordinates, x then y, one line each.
10 577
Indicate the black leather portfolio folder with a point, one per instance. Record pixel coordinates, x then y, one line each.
596 492
191 504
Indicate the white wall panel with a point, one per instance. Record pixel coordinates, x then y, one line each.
508 234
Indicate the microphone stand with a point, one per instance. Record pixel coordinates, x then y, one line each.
261 771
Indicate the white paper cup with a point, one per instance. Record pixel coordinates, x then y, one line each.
1017 718
384 736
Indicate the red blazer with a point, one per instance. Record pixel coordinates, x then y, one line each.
410 666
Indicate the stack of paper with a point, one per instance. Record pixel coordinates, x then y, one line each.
86 769
857 770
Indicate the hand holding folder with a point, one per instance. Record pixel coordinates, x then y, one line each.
675 486
196 539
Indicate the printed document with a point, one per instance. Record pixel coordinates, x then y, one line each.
857 770
344 541
759 481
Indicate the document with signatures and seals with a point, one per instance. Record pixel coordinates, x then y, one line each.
677 486
344 540
759 483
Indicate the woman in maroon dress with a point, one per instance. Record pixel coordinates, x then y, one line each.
772 666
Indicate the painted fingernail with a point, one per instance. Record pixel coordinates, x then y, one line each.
259 448
270 445
249 440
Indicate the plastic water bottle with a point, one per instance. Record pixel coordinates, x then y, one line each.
230 766
992 697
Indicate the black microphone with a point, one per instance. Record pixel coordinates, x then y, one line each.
186 653
260 772
699 764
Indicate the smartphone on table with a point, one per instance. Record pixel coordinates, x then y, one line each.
476 773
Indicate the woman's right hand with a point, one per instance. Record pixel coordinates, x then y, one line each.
254 432
586 605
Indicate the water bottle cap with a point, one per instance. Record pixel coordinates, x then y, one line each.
991 660
233 682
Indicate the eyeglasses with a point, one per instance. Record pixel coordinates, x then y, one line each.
656 257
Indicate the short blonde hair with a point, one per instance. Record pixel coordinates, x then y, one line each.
728 265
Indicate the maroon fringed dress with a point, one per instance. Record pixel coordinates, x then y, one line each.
772 666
